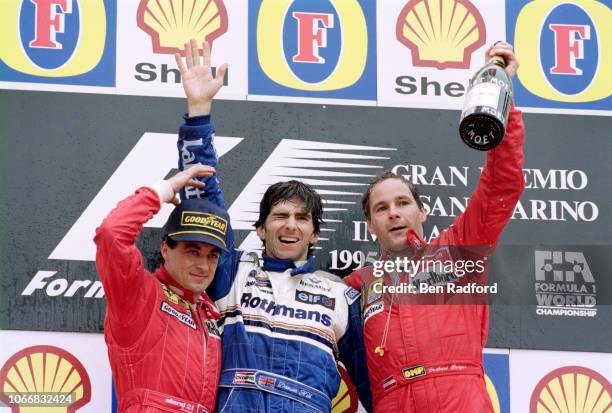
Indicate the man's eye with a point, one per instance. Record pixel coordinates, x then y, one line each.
193 252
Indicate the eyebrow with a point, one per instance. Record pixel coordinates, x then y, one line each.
399 197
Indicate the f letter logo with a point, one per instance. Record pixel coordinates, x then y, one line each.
312 34
49 22
569 46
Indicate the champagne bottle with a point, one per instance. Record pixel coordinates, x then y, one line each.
487 106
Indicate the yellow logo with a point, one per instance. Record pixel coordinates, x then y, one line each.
414 372
573 389
492 394
353 51
441 34
90 45
529 25
204 220
173 22
45 379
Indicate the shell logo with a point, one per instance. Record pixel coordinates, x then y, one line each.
572 389
44 378
441 33
346 400
171 23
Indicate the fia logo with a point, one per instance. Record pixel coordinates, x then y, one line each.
58 41
313 48
552 262
562 50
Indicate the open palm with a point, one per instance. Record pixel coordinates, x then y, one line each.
198 81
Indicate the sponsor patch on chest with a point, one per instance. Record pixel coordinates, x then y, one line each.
211 326
182 317
372 310
312 298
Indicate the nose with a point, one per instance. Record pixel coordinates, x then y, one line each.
202 266
291 223
393 211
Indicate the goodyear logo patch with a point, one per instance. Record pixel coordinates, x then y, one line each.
313 48
58 41
563 50
410 373
204 220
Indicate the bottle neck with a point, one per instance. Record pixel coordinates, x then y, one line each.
498 61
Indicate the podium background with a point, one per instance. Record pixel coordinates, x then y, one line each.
72 146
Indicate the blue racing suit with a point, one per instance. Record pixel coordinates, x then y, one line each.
284 326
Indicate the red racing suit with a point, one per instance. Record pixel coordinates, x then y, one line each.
163 343
433 354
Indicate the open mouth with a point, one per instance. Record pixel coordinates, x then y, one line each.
398 229
288 240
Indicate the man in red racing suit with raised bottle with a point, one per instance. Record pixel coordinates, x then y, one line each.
428 358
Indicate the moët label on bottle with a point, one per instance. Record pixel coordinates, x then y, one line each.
483 94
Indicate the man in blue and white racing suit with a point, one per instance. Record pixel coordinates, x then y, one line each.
284 324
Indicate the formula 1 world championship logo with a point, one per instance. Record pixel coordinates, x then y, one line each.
564 284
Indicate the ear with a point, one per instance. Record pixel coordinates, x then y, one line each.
422 215
261 232
163 249
313 239
371 229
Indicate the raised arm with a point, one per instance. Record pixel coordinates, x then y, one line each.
196 135
127 284
196 146
501 182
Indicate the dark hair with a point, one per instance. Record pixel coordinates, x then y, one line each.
159 258
287 191
383 176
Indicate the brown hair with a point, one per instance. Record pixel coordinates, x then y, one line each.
383 176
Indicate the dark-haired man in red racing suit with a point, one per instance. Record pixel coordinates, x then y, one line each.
430 358
160 329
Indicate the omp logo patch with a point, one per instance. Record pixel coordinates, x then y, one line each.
319 299
49 372
204 220
582 389
562 49
58 41
313 48
182 317
410 373
171 22
441 34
